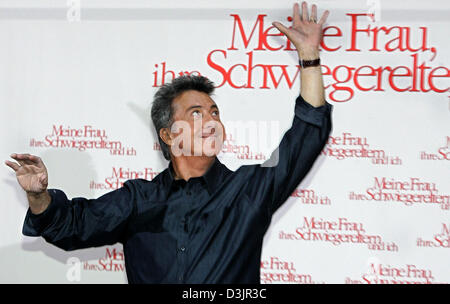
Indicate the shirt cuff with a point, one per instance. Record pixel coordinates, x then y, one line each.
313 115
35 224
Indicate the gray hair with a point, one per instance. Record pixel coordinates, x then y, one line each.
162 110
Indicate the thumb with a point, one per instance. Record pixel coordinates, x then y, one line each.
281 28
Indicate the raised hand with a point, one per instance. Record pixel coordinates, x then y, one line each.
306 31
30 171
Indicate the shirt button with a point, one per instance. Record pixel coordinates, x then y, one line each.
183 248
180 278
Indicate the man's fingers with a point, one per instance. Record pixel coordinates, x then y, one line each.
281 28
37 160
21 156
27 159
296 14
324 17
314 12
12 165
22 162
305 11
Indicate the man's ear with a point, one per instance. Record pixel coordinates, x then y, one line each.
165 136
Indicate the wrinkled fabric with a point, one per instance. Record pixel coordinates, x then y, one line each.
208 229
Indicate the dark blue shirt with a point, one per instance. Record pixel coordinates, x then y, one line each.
208 229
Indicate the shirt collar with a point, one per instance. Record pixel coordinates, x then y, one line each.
212 177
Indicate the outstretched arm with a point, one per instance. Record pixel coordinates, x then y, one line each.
271 183
71 224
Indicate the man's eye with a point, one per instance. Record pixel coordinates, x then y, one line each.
196 113
216 113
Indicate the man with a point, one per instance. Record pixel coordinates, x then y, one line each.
197 221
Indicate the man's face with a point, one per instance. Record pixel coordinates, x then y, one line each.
197 129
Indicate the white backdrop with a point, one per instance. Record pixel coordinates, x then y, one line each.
383 177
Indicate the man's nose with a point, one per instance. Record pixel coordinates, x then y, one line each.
206 117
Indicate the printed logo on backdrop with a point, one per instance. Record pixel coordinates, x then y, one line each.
310 197
349 146
439 153
82 139
379 273
233 148
441 240
258 40
409 192
337 232
276 271
120 175
112 261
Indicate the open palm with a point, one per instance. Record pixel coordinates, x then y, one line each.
306 32
31 172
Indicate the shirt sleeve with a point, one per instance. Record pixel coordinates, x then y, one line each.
271 183
81 222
